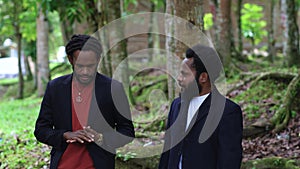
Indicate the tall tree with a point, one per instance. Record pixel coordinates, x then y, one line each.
271 38
239 30
12 12
118 53
224 38
190 10
42 30
290 32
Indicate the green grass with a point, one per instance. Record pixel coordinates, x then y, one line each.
8 81
18 146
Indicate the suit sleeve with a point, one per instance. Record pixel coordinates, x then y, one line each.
230 139
44 127
124 132
164 158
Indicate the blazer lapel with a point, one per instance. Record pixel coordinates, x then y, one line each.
66 93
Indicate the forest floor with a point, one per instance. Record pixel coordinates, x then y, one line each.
285 144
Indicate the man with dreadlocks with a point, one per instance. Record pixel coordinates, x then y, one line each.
85 115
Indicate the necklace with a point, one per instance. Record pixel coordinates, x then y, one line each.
78 98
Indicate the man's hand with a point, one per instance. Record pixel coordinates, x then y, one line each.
98 137
80 136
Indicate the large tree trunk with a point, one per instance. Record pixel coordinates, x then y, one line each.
190 10
118 53
224 30
290 32
42 51
239 49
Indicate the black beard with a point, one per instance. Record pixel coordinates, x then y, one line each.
192 90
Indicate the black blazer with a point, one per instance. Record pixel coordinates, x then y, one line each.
222 150
109 114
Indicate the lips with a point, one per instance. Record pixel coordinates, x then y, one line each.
84 78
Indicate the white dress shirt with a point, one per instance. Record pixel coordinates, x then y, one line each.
195 103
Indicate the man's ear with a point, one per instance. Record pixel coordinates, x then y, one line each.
203 77
70 58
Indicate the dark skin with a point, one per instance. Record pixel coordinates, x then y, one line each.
187 76
84 70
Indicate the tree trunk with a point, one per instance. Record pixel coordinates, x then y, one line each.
42 51
290 32
239 49
224 30
20 67
239 26
118 53
190 10
16 24
271 38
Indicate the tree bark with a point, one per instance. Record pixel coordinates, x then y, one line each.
20 67
224 29
290 32
42 51
239 27
271 38
190 10
16 24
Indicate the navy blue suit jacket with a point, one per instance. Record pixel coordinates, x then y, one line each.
222 150
109 114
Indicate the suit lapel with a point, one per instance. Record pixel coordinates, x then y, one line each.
66 93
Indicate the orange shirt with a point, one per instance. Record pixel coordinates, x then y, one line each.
76 155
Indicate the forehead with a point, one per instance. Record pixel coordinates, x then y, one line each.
85 56
187 64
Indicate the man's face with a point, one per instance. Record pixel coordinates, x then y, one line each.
187 73
85 66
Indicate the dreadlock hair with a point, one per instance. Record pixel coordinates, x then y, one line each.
204 58
84 43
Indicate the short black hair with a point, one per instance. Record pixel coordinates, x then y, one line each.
205 59
85 43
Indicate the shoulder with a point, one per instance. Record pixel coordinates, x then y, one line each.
100 78
232 107
59 80
176 102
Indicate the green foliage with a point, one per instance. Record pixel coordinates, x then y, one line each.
254 100
70 10
252 23
208 21
125 157
18 146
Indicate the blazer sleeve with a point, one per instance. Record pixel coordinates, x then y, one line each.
44 127
164 158
230 138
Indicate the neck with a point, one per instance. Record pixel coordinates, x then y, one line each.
205 90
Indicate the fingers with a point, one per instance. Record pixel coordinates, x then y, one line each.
98 137
80 136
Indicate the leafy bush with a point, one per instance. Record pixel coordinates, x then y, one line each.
252 23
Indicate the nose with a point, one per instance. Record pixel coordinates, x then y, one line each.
85 70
